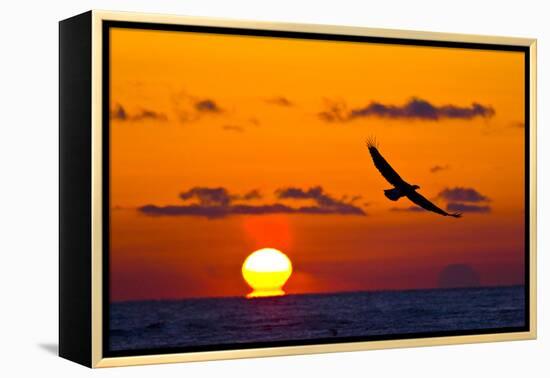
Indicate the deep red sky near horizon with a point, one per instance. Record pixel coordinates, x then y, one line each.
242 113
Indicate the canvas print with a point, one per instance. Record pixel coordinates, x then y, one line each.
280 190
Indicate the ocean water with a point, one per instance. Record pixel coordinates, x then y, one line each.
206 322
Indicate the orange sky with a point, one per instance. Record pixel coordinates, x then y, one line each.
243 113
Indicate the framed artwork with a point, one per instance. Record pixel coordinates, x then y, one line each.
234 189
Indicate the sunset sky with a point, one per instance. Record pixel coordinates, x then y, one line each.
222 145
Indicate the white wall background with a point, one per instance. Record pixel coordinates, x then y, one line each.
29 174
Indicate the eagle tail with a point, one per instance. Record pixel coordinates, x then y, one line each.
393 194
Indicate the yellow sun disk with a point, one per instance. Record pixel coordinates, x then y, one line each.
266 271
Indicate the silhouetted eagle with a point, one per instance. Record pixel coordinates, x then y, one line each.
401 188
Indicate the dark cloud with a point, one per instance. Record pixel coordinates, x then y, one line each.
458 275
459 194
281 101
208 196
190 108
422 109
414 209
175 210
207 106
149 114
467 208
297 193
222 211
237 129
465 200
218 202
336 112
249 196
414 109
439 168
322 199
121 114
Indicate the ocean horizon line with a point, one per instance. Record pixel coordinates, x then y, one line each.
320 293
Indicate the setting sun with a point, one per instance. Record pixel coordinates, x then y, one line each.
266 271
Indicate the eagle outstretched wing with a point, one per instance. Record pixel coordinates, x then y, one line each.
383 166
424 203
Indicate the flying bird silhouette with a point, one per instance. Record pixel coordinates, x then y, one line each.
401 188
